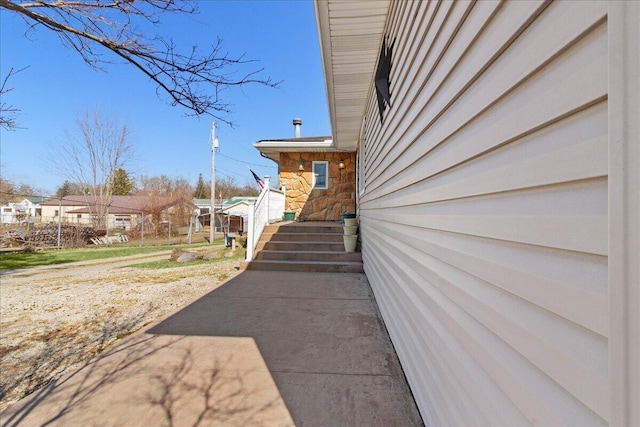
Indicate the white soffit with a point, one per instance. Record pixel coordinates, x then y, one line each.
350 33
273 148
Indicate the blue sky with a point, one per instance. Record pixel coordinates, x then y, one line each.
58 85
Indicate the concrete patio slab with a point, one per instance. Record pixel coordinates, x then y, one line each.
265 348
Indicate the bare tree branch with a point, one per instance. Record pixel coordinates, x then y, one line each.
192 79
8 111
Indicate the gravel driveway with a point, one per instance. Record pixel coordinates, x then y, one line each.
54 319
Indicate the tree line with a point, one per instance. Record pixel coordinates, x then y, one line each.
125 185
154 186
96 159
161 186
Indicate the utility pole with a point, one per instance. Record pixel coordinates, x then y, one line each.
59 218
212 214
106 225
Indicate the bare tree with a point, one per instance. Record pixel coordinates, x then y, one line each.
226 187
91 155
68 188
250 189
16 191
192 78
157 189
7 191
159 186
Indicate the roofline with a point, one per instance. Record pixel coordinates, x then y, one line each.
322 22
283 143
271 148
302 139
242 202
349 78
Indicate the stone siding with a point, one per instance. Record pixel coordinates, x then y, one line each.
313 204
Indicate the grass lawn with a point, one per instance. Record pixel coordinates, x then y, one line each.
19 260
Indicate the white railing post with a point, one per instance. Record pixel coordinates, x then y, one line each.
284 198
267 184
251 232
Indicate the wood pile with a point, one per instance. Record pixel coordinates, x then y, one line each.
70 236
12 238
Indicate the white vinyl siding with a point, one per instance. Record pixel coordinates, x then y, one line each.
624 212
485 216
362 181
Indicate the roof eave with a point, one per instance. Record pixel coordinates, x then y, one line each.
343 28
271 149
290 146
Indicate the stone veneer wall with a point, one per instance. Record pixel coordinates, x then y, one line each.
318 205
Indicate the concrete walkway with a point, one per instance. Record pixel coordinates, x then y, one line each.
264 349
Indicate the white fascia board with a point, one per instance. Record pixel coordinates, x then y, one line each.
327 143
324 38
226 208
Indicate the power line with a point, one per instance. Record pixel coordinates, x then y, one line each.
247 163
218 170
10 193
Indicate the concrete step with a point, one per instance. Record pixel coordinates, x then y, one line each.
308 255
298 246
315 247
313 266
306 237
302 229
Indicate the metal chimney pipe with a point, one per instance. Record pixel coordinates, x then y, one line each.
296 125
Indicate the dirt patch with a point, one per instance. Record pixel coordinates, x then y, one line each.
53 322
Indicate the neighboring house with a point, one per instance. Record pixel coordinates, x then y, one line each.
28 210
53 209
236 211
245 200
124 212
498 193
319 178
202 204
203 207
236 207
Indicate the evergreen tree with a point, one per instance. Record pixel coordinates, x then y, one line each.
122 185
202 191
64 189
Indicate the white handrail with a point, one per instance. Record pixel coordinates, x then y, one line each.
268 208
276 204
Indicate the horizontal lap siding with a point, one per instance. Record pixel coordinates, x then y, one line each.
484 220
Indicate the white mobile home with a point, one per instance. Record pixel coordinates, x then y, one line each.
28 210
497 147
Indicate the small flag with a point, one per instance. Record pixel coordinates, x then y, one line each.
258 180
